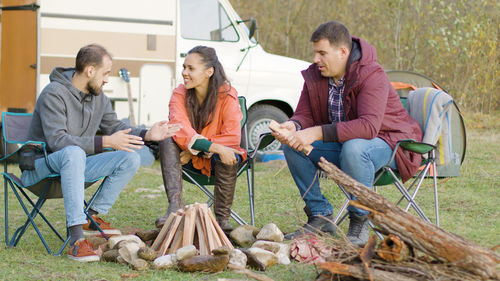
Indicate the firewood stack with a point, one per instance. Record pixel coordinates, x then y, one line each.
193 225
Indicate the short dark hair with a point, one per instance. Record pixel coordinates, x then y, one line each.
90 55
336 33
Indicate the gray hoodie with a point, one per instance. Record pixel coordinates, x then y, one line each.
66 116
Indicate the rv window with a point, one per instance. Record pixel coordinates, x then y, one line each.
206 20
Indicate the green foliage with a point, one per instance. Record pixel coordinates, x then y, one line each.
453 42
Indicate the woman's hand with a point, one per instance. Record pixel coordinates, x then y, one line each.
185 157
226 154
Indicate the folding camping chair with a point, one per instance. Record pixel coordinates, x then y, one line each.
201 181
15 128
430 107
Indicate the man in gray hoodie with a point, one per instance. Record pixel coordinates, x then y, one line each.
68 114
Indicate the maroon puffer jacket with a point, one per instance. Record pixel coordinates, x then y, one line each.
371 105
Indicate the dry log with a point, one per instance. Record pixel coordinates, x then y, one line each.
358 272
275 127
200 230
163 232
424 236
393 249
367 253
189 224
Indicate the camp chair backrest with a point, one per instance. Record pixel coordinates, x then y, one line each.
16 126
243 106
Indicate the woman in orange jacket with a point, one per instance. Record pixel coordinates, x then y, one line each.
208 109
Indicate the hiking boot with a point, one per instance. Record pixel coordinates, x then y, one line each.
91 229
358 232
82 251
224 186
315 225
327 227
172 177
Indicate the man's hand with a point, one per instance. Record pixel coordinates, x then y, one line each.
122 140
289 127
300 139
161 130
226 154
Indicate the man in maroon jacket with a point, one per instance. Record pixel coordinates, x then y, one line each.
353 117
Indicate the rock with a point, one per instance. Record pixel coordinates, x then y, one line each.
270 232
129 252
115 239
211 264
110 255
186 252
224 250
146 253
265 257
139 264
165 262
121 261
238 258
267 245
281 250
253 262
243 235
147 235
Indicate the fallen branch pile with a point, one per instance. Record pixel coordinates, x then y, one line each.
454 256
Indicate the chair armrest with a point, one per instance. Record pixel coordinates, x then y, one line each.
415 146
265 139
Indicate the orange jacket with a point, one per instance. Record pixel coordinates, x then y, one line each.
225 128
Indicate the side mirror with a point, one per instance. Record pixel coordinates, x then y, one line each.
253 27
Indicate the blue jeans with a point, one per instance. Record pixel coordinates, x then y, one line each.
76 168
359 158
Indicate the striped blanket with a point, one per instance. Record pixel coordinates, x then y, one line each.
432 110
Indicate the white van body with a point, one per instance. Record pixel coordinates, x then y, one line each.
150 39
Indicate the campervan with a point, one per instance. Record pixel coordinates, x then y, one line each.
148 40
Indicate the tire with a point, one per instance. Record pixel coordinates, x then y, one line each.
258 120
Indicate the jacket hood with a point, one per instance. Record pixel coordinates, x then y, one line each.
64 77
362 51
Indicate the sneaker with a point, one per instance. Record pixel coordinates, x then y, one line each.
315 225
91 229
358 232
82 251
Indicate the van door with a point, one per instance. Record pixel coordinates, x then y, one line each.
206 22
18 61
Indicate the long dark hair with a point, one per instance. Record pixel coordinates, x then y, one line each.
201 115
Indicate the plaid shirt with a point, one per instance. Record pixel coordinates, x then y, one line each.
335 106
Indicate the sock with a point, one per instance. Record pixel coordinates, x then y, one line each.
75 233
92 212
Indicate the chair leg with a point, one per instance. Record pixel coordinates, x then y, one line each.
40 235
407 196
338 220
250 183
436 203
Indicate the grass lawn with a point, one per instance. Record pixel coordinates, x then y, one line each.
468 204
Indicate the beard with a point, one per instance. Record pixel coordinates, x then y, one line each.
93 88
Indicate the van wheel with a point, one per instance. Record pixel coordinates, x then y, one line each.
259 117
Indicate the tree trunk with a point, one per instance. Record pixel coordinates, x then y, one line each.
424 236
